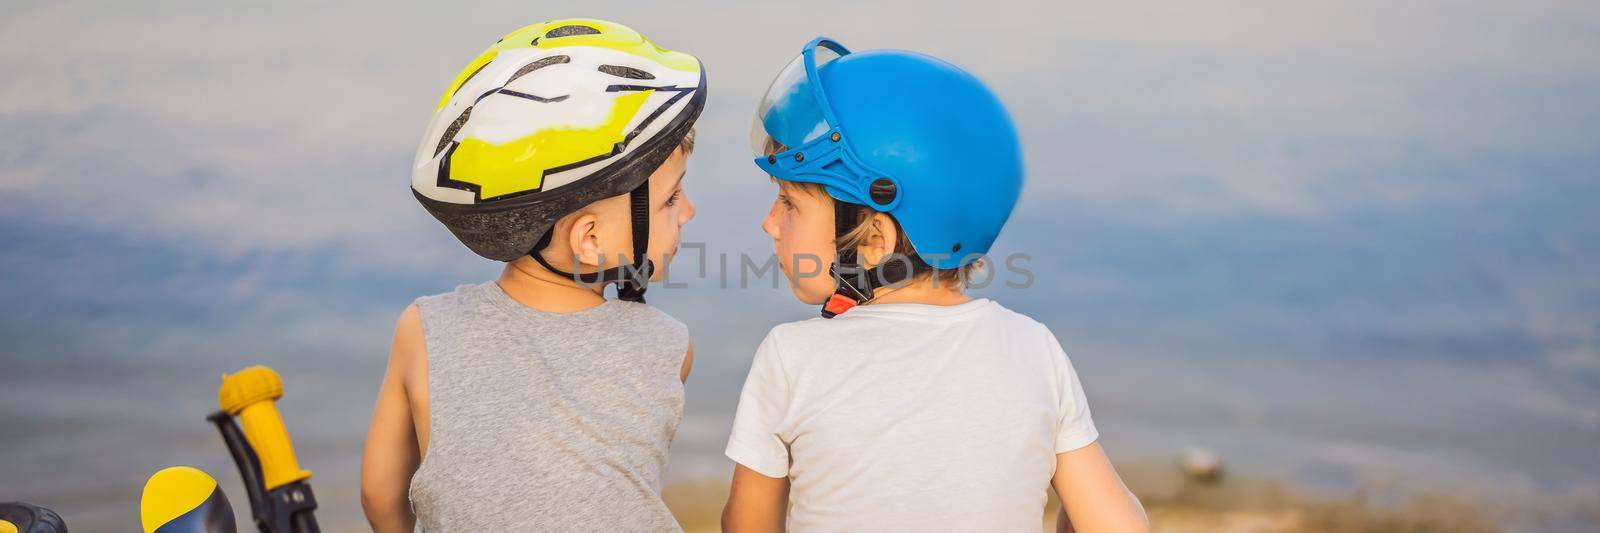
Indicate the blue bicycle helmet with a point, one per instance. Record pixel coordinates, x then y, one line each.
899 132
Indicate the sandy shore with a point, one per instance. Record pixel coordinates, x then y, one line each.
1175 504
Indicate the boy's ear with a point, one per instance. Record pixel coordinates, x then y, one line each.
879 242
582 239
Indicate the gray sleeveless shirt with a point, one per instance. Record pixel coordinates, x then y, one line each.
547 421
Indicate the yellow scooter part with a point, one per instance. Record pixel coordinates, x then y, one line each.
184 499
251 394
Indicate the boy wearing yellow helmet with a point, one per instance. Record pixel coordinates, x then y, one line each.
532 402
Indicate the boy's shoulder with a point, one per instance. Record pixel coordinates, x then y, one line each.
460 293
1025 328
1020 320
651 316
618 312
454 300
789 332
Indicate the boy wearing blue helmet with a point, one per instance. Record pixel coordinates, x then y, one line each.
909 405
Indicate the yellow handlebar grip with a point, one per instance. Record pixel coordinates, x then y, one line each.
251 394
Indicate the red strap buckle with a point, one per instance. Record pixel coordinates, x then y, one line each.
837 304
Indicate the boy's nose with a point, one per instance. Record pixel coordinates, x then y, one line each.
767 225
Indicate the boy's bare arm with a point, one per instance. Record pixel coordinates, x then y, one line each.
688 364
1093 495
756 503
1063 524
391 453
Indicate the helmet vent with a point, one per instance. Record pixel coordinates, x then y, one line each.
464 82
450 132
627 72
536 65
570 30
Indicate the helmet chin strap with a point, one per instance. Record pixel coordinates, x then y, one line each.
855 285
631 280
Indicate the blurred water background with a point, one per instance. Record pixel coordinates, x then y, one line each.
1343 245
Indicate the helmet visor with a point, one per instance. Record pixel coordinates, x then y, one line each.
793 111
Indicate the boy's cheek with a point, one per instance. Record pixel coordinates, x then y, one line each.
784 260
808 277
812 290
664 260
664 242
660 273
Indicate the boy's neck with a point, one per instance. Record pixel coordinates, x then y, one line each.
922 291
536 287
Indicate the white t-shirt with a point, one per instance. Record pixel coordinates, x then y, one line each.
909 417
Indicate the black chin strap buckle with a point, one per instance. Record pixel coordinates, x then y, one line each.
636 281
632 280
853 287
854 284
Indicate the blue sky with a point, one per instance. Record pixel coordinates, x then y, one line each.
1225 200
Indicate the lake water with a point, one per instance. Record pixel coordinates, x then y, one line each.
81 436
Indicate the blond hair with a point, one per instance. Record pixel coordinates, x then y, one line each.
687 144
865 230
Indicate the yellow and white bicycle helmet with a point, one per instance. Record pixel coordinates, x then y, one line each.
552 117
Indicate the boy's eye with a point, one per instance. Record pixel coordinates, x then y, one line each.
784 199
673 200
